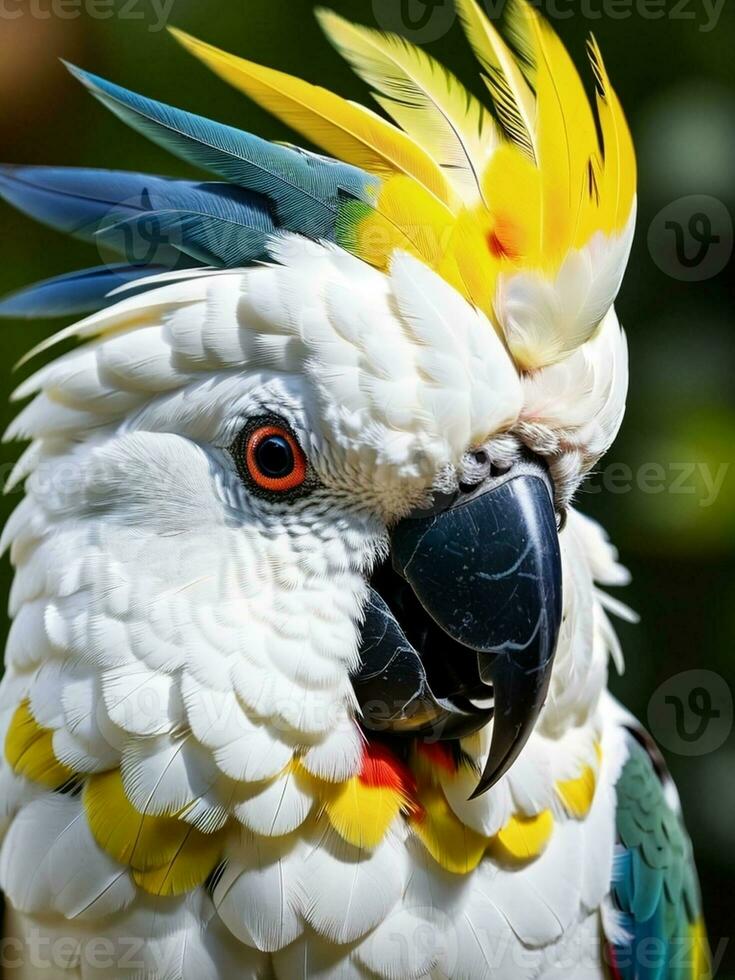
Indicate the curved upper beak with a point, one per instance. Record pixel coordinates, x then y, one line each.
487 571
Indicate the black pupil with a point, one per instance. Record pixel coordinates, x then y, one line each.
274 457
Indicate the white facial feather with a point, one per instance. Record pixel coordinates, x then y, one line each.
387 381
547 319
171 623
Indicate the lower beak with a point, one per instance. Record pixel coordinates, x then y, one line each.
485 570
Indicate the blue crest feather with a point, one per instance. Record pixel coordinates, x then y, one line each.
156 223
144 218
75 293
305 189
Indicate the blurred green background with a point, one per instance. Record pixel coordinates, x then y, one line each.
666 492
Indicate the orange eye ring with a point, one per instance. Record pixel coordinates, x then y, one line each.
274 460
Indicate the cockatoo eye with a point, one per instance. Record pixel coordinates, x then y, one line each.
269 457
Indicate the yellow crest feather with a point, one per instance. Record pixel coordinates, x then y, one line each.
617 191
425 99
499 210
343 129
514 101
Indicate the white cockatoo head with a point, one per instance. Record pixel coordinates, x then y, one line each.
320 486
219 473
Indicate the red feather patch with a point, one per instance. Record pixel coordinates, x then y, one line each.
439 754
382 768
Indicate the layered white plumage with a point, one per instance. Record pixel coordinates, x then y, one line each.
188 648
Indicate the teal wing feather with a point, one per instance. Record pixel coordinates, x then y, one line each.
306 190
156 222
655 887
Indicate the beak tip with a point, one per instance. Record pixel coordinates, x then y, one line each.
480 790
492 774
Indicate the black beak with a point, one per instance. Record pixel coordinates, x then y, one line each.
463 627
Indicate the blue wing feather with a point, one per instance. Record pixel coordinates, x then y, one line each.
74 293
155 222
73 201
145 218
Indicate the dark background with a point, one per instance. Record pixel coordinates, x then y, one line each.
672 64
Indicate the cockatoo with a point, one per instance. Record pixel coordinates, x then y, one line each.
307 674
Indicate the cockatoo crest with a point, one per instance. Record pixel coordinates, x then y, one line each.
524 209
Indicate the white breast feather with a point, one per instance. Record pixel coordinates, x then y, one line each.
178 642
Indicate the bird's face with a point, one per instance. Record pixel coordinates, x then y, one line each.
336 481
